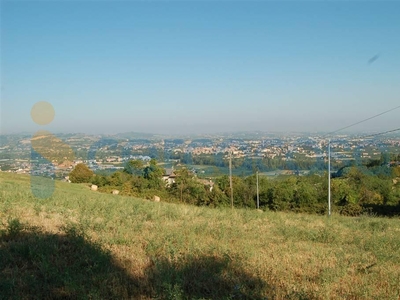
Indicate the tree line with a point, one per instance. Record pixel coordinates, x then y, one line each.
373 187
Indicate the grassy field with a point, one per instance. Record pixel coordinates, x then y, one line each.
84 244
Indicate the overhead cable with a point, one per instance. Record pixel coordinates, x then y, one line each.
362 121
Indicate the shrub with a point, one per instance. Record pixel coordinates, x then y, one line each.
351 209
81 173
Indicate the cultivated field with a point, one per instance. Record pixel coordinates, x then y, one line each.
84 244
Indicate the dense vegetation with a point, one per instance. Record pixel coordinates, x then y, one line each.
79 244
372 188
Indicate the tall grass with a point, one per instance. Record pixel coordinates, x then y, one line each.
168 251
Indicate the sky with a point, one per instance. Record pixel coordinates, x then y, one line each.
178 67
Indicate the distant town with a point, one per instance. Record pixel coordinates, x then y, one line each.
56 155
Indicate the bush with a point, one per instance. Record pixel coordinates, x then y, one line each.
80 174
351 209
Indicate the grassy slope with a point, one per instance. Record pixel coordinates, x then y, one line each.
82 243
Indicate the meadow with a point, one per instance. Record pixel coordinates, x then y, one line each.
82 244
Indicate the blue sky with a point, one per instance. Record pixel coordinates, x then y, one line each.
200 66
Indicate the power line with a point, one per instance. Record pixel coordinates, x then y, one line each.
380 133
362 121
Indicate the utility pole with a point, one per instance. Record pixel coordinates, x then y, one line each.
258 196
230 177
329 177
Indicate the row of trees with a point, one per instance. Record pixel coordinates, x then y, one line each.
262 164
355 189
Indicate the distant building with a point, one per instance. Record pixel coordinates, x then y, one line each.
169 177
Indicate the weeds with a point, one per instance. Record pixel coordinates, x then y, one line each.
13 228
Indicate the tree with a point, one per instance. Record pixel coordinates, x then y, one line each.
81 173
343 192
153 174
182 184
216 198
282 194
305 197
385 158
243 193
99 180
134 167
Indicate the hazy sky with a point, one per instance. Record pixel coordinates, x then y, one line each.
200 66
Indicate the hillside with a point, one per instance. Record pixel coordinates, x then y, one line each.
80 243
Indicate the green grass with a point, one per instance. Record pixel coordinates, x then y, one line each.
84 244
